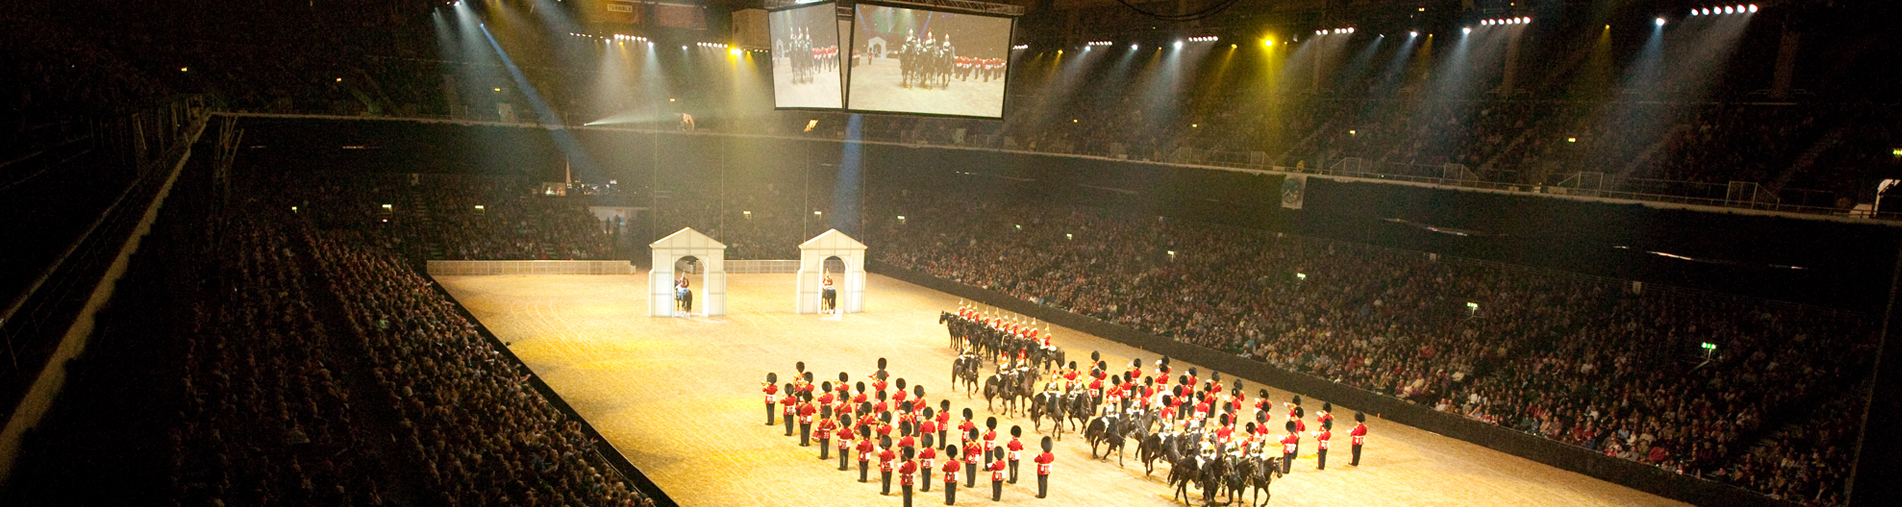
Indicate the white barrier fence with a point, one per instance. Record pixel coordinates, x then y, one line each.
617 267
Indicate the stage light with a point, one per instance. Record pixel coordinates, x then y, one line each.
1268 42
1753 7
901 218
1466 30
817 212
1069 236
293 209
671 99
1571 139
747 213
1352 132
184 69
386 206
734 51
1178 44
1020 46
1659 21
1073 120
1195 125
1320 32
498 90
1019 226
480 207
1415 33
1132 47
1301 276
340 80
1896 152
1728 10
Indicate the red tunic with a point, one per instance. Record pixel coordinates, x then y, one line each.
1043 463
927 427
951 467
786 404
865 449
771 391
906 471
825 428
845 439
972 453
1016 447
1290 443
805 413
1323 436
926 456
997 471
1359 433
885 460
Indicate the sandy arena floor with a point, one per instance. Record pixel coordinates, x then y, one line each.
680 398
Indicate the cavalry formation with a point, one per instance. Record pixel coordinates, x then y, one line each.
1188 423
806 60
931 60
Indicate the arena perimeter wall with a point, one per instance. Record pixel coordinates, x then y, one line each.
1577 459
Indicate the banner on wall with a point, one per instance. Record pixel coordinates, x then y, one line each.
1294 189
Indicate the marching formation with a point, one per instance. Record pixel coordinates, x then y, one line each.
861 418
1194 425
807 60
931 59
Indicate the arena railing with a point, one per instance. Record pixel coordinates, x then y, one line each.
156 141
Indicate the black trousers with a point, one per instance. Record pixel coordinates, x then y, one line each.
842 458
865 467
1320 459
770 420
905 491
1287 460
805 434
1013 471
1356 460
950 493
1043 485
970 475
885 479
825 450
926 484
789 422
997 490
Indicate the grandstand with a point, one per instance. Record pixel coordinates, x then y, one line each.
1648 242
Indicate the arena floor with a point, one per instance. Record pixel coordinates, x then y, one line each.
680 398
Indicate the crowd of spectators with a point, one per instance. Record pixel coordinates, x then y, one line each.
454 217
1578 360
465 411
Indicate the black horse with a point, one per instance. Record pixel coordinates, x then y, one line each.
1109 431
964 372
1257 474
1047 404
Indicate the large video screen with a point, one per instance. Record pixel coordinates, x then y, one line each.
928 62
806 57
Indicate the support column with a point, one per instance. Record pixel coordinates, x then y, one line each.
1874 479
1786 64
1509 78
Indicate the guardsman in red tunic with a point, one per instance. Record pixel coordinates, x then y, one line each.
966 429
771 388
1043 468
806 411
865 449
825 400
907 473
1015 450
844 435
827 425
1299 424
1325 417
927 424
943 421
905 438
950 468
927 456
885 457
1321 437
1359 434
788 401
1289 444
990 437
997 475
972 456
898 395
1240 397
1262 403
885 424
